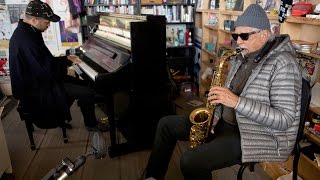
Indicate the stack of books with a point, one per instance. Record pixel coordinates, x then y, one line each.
303 46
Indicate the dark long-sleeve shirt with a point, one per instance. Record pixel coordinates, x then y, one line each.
37 76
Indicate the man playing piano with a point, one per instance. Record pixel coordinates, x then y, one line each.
39 80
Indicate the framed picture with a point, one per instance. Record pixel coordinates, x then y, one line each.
175 34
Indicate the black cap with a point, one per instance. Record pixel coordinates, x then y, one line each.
38 8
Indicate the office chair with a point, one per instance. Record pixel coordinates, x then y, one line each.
27 118
305 102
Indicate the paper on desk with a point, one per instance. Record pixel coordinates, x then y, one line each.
315 99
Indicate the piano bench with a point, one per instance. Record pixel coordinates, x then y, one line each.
25 116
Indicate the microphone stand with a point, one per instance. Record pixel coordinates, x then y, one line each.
66 168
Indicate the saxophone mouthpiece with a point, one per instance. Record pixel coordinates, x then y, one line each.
239 49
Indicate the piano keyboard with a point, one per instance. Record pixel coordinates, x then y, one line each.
86 69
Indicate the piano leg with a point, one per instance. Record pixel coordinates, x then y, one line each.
116 149
112 124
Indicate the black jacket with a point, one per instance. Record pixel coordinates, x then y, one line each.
37 77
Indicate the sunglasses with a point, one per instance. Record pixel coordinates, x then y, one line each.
243 36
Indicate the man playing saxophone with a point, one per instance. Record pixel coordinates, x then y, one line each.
259 107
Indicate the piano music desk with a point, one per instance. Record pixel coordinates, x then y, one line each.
184 106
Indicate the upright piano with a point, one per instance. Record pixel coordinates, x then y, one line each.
125 61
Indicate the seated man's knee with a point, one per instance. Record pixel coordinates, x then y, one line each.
166 121
190 165
187 163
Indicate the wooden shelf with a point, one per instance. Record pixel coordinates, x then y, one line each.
210 53
226 31
226 46
214 11
312 137
303 20
211 27
272 16
314 108
231 13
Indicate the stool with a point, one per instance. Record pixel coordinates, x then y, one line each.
26 117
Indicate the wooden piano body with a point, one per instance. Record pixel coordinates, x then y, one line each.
125 61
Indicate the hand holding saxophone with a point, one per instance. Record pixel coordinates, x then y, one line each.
222 95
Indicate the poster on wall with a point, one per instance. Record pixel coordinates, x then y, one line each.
4 63
5 24
68 34
17 1
16 12
50 39
67 37
5 85
58 37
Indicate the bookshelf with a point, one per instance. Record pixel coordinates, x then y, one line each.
179 35
112 6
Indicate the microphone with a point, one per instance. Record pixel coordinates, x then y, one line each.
99 146
67 167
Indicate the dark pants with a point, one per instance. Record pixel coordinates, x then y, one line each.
78 89
197 163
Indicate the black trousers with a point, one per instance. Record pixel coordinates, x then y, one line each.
77 89
197 163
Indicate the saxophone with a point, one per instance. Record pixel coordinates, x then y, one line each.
202 118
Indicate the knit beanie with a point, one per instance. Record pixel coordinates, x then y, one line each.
254 16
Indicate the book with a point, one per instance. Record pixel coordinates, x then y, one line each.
212 19
199 4
212 4
275 28
238 6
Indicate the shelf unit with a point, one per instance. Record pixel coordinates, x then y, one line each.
180 21
115 6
